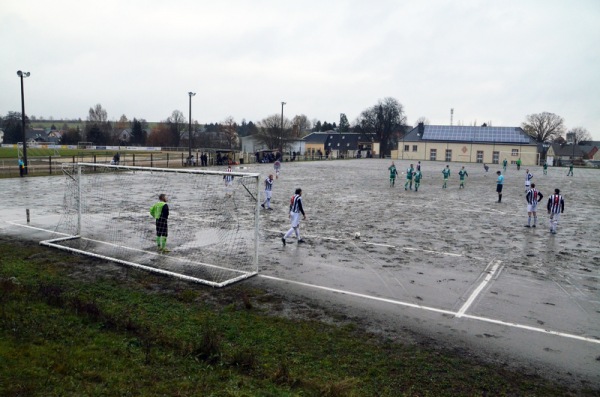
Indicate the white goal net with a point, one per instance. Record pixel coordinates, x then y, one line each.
212 224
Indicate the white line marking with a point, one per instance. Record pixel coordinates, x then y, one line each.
381 245
481 286
36 228
436 310
344 292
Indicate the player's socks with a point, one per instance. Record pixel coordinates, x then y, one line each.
534 221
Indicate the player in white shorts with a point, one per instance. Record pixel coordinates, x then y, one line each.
533 196
528 177
295 211
556 206
268 189
277 168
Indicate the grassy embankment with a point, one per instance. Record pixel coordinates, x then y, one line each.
75 326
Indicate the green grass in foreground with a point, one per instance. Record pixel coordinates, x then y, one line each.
72 326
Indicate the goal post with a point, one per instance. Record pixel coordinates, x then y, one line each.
213 231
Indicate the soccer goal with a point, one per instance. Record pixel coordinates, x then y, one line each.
212 225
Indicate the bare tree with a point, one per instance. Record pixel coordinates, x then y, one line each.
423 120
270 133
544 127
229 131
302 123
579 134
176 123
97 127
380 121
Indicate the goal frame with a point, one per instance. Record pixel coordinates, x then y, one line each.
54 243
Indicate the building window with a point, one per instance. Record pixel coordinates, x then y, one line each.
496 158
480 156
406 148
414 148
448 154
514 152
432 154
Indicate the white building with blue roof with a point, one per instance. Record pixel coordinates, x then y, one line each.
468 144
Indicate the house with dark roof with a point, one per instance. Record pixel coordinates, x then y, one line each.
340 144
564 154
468 144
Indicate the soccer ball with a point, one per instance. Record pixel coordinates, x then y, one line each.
357 235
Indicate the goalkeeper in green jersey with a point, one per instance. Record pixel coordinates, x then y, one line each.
409 176
160 212
446 173
418 177
462 173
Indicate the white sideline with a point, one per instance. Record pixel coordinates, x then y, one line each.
433 309
479 288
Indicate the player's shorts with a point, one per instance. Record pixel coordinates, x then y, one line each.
162 228
527 184
532 207
295 218
268 194
555 217
499 188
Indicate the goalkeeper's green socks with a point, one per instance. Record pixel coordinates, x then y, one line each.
163 244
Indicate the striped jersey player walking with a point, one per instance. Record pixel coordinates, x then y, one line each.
533 196
295 210
556 206
268 189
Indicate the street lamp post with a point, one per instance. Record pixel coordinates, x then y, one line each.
22 75
281 136
191 94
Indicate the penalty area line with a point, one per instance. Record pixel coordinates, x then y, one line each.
436 310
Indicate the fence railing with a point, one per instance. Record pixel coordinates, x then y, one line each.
52 165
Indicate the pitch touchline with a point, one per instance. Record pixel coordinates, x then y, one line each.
436 310
122 246
481 286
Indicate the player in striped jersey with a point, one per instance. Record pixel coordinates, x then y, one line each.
228 178
268 188
556 206
528 178
533 196
277 168
295 210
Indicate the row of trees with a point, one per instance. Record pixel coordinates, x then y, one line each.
385 122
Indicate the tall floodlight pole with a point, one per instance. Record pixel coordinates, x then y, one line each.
191 94
22 75
281 140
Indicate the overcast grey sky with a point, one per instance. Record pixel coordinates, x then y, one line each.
492 61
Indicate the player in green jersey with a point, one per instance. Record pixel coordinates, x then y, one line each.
409 175
418 177
160 212
462 173
446 173
393 173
